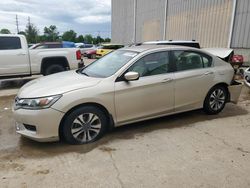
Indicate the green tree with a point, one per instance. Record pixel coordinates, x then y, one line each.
22 33
107 40
80 38
69 36
99 40
88 39
31 33
5 31
42 38
51 33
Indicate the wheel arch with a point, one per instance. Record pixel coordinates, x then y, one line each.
61 60
97 105
223 84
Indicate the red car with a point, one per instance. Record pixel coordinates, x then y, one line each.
91 54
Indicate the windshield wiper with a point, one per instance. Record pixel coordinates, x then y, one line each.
84 73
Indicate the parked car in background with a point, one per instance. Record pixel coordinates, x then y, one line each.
247 74
30 44
126 86
107 48
191 43
85 47
46 45
16 60
91 54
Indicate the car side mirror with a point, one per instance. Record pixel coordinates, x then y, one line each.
131 76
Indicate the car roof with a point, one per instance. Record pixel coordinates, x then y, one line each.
142 48
11 35
171 41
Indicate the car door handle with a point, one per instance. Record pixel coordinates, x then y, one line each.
208 73
21 54
167 80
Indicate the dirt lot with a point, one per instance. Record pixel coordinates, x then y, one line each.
185 150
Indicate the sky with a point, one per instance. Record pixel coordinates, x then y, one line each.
83 16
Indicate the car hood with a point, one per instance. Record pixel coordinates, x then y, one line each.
57 84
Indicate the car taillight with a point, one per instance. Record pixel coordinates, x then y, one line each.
237 59
78 55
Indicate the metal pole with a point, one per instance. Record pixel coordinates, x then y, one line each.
232 24
165 21
134 34
17 24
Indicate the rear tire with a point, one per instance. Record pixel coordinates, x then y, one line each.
84 125
215 100
93 56
54 68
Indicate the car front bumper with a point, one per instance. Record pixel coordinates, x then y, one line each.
39 125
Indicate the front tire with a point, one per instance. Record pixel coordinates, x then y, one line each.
84 125
93 56
215 100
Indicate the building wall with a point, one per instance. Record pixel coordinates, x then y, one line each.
241 31
122 21
150 17
207 21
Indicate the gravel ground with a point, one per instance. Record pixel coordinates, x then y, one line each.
185 150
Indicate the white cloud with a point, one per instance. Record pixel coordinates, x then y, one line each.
83 16
94 19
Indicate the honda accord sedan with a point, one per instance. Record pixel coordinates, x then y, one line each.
126 86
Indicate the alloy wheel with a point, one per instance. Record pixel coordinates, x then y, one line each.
217 99
86 127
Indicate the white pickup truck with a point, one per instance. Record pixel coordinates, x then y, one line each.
16 60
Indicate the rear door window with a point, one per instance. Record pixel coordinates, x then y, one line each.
10 43
188 60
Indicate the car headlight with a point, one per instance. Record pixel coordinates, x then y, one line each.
36 103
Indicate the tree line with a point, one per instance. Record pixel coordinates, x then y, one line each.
51 34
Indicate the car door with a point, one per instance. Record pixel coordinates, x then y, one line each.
194 77
13 58
151 95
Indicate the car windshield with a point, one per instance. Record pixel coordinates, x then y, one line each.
109 64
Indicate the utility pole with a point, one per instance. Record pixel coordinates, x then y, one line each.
28 21
98 38
17 24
